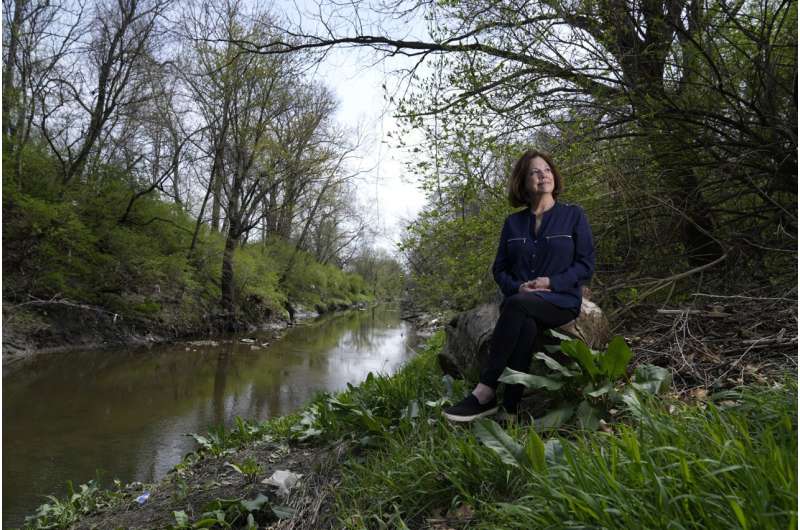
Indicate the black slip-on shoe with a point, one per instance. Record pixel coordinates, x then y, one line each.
469 409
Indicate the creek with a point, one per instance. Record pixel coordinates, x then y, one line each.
126 412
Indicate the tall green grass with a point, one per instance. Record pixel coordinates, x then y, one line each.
728 463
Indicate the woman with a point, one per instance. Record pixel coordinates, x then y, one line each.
545 255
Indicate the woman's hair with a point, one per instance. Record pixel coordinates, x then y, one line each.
517 194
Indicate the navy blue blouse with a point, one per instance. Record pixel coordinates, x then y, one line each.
563 250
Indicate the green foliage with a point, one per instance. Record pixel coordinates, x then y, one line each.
450 256
257 278
730 463
378 407
676 462
677 168
379 274
590 386
534 454
233 513
311 284
71 243
219 440
250 468
61 513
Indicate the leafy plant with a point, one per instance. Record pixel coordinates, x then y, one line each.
589 386
380 405
679 462
250 468
234 513
535 454
219 440
61 513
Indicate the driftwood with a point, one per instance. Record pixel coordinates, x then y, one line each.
469 335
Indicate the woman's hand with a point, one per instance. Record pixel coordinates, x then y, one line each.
542 283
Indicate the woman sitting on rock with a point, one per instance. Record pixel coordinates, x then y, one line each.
545 255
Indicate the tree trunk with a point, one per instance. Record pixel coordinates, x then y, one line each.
9 92
227 281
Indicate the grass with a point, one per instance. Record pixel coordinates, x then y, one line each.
729 463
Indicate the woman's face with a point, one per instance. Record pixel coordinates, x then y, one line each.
540 177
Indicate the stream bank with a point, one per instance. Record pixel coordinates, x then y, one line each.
380 455
127 412
56 326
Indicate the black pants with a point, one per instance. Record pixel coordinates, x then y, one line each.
522 317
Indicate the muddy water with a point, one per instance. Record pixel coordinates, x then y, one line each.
126 412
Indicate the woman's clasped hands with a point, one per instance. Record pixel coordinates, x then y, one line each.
542 283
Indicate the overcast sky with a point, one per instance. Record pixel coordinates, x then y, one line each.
388 189
356 75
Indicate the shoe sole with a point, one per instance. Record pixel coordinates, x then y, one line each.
464 419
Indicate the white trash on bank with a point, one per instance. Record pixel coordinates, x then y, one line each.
283 479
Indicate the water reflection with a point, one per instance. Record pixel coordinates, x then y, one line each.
126 412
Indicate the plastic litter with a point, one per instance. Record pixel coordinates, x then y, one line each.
141 499
283 479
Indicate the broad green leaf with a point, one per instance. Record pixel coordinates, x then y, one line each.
588 416
283 512
579 351
590 390
534 450
341 405
554 365
412 410
632 403
206 522
616 358
552 348
181 519
255 504
439 402
555 418
651 379
308 433
495 438
370 422
553 451
514 377
201 440
558 335
235 468
448 380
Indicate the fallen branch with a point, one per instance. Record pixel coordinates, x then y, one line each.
711 314
65 302
742 297
664 282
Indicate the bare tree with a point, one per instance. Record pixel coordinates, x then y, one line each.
38 37
85 94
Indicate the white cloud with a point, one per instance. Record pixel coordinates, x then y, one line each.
391 193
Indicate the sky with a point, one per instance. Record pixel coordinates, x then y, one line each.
356 77
388 188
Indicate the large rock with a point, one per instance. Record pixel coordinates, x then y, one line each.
469 335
